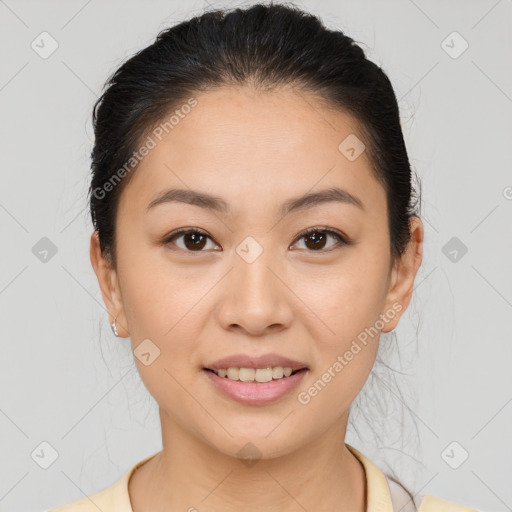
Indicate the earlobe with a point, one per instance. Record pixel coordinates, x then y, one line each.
403 275
109 286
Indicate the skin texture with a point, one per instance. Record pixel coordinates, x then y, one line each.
255 150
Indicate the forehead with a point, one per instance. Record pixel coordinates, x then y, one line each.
267 146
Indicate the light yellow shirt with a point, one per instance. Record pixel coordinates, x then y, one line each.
115 498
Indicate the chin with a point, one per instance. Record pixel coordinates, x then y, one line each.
261 441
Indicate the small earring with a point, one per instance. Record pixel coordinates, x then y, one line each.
114 328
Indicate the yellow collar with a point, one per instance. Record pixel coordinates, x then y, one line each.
116 497
378 498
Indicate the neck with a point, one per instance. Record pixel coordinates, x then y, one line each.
190 475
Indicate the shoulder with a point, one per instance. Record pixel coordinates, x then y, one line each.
114 498
431 503
103 500
384 494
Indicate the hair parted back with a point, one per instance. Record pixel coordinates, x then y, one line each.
264 47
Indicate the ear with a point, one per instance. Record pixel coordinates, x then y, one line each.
403 274
109 285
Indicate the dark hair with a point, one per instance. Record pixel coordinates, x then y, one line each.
264 46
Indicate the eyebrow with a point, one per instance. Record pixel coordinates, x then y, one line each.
215 203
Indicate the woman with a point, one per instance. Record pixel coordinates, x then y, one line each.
254 234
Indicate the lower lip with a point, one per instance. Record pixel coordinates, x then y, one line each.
256 393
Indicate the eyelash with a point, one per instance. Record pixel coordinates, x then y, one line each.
342 240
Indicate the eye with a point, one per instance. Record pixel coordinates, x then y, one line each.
194 240
315 238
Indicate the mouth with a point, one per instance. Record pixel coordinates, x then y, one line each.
255 381
258 375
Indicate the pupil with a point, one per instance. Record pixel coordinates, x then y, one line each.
197 239
316 238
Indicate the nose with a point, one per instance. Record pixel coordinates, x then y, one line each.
256 297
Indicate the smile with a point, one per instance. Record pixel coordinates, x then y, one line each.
255 386
256 374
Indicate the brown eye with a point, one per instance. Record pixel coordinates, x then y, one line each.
193 240
317 238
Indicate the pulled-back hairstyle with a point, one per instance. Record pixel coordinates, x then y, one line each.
263 46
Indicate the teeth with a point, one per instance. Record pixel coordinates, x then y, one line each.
263 375
277 372
233 373
255 374
247 374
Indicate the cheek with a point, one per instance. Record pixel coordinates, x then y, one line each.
346 337
157 295
163 307
346 299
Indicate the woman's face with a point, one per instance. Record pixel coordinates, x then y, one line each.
251 283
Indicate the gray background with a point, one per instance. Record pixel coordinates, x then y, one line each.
66 381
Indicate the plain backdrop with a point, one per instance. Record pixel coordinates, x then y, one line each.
71 398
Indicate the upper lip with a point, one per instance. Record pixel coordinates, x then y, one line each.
263 361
